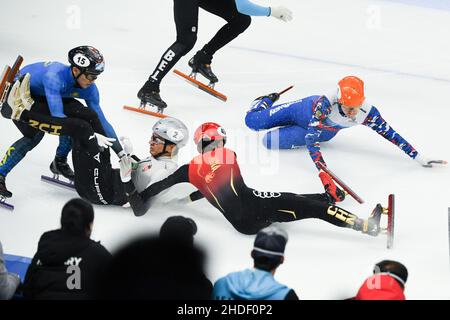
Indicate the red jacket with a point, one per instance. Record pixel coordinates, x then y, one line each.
380 287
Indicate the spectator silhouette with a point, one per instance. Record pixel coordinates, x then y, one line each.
258 283
67 260
387 283
168 267
8 281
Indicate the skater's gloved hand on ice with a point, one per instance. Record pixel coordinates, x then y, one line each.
427 162
104 142
337 195
125 169
127 145
281 13
272 97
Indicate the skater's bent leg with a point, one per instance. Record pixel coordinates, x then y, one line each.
289 137
18 151
186 21
291 207
64 147
275 116
75 128
75 109
236 23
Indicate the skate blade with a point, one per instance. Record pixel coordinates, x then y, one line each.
4 85
144 105
60 183
7 78
390 225
201 86
5 204
147 112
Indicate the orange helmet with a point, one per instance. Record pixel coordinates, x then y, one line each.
351 92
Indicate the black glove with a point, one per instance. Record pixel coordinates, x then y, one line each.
273 97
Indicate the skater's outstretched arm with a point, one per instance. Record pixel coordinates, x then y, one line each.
249 8
137 200
380 126
376 122
321 110
93 102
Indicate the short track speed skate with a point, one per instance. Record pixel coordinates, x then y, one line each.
206 88
4 194
60 167
201 63
372 224
6 81
390 212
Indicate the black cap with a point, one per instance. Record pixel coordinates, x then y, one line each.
178 228
393 268
270 242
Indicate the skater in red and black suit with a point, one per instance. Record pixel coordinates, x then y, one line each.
216 175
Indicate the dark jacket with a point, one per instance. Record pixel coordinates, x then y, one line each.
49 276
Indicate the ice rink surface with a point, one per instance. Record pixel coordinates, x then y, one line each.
400 49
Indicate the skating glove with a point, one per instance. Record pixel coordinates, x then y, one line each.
281 13
331 189
427 162
104 142
125 169
24 92
272 97
127 145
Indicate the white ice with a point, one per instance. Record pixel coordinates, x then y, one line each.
401 51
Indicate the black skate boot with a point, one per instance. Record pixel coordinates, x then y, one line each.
149 94
59 166
372 225
3 191
201 62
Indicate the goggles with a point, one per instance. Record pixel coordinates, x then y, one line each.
157 139
90 76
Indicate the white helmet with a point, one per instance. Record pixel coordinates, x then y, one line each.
172 130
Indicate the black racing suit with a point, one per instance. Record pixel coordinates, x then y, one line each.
186 21
247 209
95 179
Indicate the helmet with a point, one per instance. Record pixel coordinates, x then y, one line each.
351 91
209 131
172 130
87 59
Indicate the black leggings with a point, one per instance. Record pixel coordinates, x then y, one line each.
80 123
186 21
95 179
260 209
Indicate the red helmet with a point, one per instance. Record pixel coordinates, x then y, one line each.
209 131
351 92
